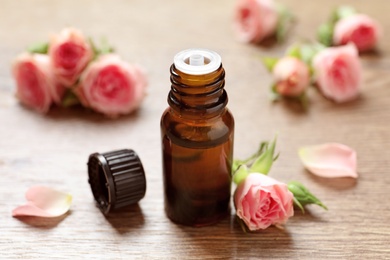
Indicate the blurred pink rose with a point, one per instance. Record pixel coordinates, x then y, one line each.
338 72
359 29
112 86
261 201
292 76
36 85
255 20
70 53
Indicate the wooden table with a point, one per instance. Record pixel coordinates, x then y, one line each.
53 149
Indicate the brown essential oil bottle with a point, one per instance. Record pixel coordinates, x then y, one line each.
197 140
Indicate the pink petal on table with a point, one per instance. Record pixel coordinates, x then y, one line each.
44 202
329 160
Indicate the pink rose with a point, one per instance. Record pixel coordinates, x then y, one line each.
112 86
359 29
292 76
261 201
36 86
338 72
255 20
70 53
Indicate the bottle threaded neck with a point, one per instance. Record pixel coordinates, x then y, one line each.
198 80
195 95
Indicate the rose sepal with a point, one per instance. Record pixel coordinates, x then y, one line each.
326 30
39 47
302 196
285 19
264 162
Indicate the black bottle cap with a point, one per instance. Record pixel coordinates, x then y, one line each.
117 179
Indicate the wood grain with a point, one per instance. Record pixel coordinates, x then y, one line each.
53 149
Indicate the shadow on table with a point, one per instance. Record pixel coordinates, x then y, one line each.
78 112
268 43
352 104
127 219
43 223
342 183
293 106
227 240
374 54
307 216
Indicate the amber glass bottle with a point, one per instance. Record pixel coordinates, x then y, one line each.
197 140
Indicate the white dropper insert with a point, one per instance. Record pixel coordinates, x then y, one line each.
197 61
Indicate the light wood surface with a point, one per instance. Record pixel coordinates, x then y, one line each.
53 149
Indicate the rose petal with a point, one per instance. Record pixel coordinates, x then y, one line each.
44 202
329 160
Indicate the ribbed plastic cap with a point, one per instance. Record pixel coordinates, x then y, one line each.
117 179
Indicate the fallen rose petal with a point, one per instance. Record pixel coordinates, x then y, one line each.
44 202
329 160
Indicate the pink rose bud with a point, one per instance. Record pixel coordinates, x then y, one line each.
262 201
338 72
70 53
292 76
359 29
36 86
255 20
112 86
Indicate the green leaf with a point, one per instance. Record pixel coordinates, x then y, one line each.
307 53
241 173
105 46
273 94
41 47
343 12
294 51
325 34
70 99
298 204
303 195
94 48
274 97
285 19
248 161
236 164
264 162
270 63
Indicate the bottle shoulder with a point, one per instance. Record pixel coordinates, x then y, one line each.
200 120
199 131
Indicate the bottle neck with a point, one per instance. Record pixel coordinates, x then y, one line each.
198 96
